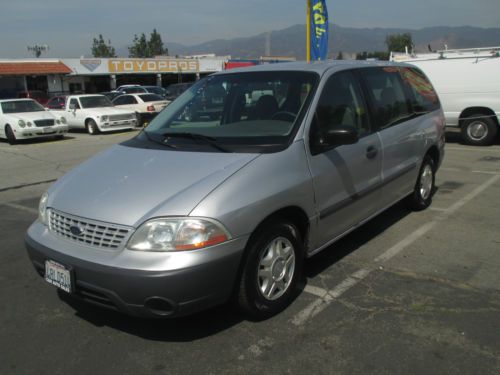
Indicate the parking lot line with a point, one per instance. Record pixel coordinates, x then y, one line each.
318 305
494 150
20 207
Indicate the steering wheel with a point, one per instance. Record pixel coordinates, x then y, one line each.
284 116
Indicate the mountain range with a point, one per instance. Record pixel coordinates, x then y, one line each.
292 40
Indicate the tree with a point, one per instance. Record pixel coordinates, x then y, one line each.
139 47
399 42
378 55
101 49
340 56
155 45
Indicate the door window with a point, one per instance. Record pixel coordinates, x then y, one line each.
342 104
424 97
74 102
387 95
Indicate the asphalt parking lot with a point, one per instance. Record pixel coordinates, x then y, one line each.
408 293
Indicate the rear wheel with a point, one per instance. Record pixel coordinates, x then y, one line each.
421 197
272 269
479 130
92 128
9 134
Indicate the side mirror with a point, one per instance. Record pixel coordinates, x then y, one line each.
341 135
337 136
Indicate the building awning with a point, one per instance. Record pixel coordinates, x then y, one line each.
32 68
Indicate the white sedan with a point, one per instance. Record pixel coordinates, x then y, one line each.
145 106
25 118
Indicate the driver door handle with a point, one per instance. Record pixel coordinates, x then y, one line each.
371 152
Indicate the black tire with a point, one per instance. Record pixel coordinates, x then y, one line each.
139 119
479 130
59 137
250 298
9 134
421 198
92 128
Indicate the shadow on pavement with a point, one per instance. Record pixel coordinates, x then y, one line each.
184 329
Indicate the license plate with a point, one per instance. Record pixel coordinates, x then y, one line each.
48 130
58 275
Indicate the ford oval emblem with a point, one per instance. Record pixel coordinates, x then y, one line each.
76 230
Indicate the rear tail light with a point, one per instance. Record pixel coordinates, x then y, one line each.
151 108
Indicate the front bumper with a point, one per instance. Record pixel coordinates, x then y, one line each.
207 282
39 132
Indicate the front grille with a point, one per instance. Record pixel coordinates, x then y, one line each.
120 117
93 233
48 122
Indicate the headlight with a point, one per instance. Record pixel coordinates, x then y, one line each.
104 118
63 120
177 234
21 123
42 208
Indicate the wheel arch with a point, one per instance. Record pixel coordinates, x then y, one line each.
434 154
293 214
471 111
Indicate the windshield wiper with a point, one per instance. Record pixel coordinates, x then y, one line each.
197 137
155 141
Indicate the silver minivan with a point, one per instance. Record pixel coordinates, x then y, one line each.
235 183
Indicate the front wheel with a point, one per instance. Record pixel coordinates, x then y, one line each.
9 134
421 197
92 128
479 131
271 272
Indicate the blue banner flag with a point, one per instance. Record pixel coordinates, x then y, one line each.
319 30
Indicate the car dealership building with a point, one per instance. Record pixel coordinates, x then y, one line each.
90 75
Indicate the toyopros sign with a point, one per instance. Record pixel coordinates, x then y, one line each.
153 66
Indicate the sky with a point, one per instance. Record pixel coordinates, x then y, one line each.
69 26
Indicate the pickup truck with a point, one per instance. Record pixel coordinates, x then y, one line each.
95 113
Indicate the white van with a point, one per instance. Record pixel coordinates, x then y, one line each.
468 84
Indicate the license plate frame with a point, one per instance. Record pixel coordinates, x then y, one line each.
48 130
59 275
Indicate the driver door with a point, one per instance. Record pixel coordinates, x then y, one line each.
346 178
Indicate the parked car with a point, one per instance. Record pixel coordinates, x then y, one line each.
175 90
111 94
131 89
145 106
468 85
38 95
96 114
57 102
230 205
156 90
25 118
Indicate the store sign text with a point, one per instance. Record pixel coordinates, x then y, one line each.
152 66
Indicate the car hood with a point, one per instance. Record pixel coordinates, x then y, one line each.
32 116
127 185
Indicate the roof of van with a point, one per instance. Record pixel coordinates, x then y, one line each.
319 67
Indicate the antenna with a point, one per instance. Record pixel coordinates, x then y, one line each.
37 49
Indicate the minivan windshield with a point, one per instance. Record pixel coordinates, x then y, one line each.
240 112
95 101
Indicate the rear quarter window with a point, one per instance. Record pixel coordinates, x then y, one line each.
424 98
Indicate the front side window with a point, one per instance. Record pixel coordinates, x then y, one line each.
386 91
73 103
95 101
342 104
240 111
21 106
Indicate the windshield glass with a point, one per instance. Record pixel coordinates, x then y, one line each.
21 106
95 101
239 110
